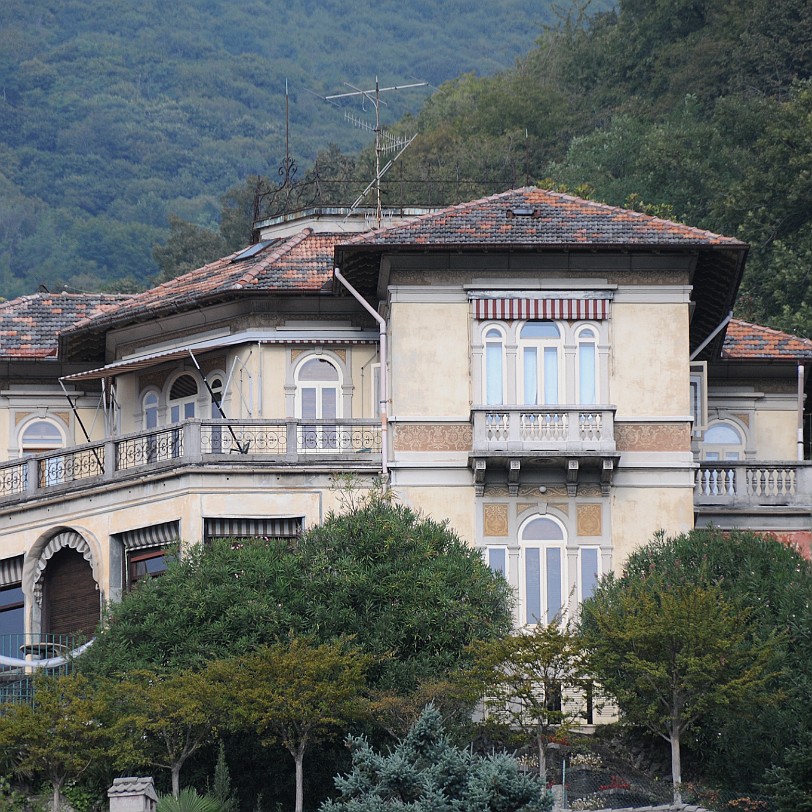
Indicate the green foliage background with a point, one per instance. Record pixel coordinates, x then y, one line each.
114 115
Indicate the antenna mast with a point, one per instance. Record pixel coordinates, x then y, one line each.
392 142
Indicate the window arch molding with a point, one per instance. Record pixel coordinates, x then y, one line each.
342 363
182 394
41 434
543 569
725 438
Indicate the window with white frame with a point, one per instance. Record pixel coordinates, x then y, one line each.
149 408
699 395
723 440
587 360
318 384
182 399
542 543
540 354
40 437
494 362
589 571
496 557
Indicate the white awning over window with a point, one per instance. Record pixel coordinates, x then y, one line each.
580 306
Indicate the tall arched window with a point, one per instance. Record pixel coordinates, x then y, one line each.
587 366
40 437
182 399
543 565
317 398
494 367
540 343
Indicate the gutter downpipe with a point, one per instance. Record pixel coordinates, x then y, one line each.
384 384
800 412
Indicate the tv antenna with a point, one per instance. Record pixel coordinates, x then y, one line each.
385 142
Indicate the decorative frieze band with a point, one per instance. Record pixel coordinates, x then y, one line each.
433 437
652 436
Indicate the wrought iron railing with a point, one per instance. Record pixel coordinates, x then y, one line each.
26 650
290 442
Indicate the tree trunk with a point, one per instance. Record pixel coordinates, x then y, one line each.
56 801
542 760
676 767
299 757
176 779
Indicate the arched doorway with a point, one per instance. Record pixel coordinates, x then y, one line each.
70 599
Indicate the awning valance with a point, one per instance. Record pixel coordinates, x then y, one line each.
277 527
156 535
590 306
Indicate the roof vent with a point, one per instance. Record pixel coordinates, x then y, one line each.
522 211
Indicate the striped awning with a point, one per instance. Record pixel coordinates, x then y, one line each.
593 307
241 528
156 535
67 538
11 571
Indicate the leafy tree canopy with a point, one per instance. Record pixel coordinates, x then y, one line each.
406 588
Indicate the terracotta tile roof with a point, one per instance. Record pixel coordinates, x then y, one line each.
300 263
533 217
30 325
745 341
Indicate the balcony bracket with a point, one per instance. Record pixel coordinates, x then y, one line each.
514 469
573 468
479 476
607 470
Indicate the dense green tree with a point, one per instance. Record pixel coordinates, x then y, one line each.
187 247
672 653
424 772
408 589
294 693
772 583
60 736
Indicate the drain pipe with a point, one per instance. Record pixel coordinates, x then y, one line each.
800 412
383 393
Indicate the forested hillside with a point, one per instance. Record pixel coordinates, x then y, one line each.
114 115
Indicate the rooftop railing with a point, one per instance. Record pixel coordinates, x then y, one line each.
284 442
739 484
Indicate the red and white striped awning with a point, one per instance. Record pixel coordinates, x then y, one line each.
566 309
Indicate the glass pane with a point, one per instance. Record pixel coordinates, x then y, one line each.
493 373
712 455
188 410
731 455
532 573
586 373
12 621
543 530
540 329
497 559
43 432
722 434
174 414
309 403
589 572
318 369
554 597
530 363
550 375
329 398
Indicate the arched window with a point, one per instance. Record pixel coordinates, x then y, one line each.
587 367
494 367
540 348
40 436
216 386
317 398
182 399
543 565
723 441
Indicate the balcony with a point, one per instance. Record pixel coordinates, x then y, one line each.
527 437
313 444
734 484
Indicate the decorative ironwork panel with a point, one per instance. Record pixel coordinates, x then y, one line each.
339 438
147 449
69 466
13 479
262 438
